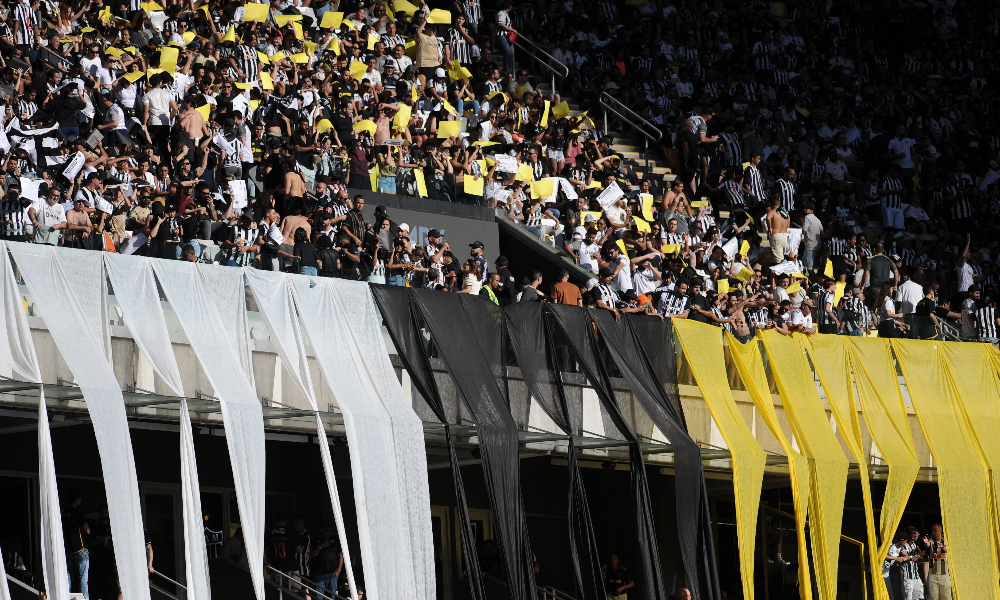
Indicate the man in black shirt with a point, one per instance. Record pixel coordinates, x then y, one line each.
616 579
507 283
74 527
327 559
280 546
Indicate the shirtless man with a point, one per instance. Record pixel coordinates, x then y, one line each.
777 226
193 124
78 225
383 124
295 187
291 223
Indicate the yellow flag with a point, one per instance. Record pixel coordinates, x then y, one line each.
421 184
543 188
283 20
372 40
474 186
402 118
230 34
647 206
828 270
621 246
447 129
641 225
168 59
670 248
254 12
358 69
404 6
189 37
561 110
439 16
265 81
545 114
722 286
525 173
795 287
298 30
331 19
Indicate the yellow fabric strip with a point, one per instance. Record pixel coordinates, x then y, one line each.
831 361
974 375
827 463
885 414
702 346
963 480
751 368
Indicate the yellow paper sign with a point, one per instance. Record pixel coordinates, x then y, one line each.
263 58
265 81
439 16
404 6
744 248
699 203
243 86
646 201
297 27
135 76
105 14
621 246
255 12
545 114
323 125
331 19
795 287
303 58
150 6
451 109
838 293
366 125
402 118
561 110
474 186
230 34
283 20
112 51
374 178
828 270
745 275
151 72
310 47
670 248
525 173
205 111
594 184
253 105
168 59
543 188
358 69
421 184
350 24
448 129
583 215
372 40
722 286
482 143
189 37
414 94
641 225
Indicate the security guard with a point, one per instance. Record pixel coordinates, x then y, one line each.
491 288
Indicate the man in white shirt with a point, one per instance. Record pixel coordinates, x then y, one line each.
620 267
645 277
590 251
812 234
899 152
48 217
909 294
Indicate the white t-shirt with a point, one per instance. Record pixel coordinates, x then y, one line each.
158 100
48 215
964 277
644 280
902 147
90 65
624 276
887 564
586 253
910 294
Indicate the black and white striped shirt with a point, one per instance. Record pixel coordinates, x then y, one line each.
836 246
757 317
248 62
26 110
26 25
731 142
894 199
752 180
720 315
733 192
608 296
823 317
460 50
786 193
961 208
672 304
248 235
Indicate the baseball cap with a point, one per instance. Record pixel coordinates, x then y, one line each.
605 272
434 233
501 260
439 72
895 258
404 226
808 302
590 218
477 244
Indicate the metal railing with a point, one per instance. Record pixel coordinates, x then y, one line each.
556 68
168 580
23 585
552 593
613 105
302 583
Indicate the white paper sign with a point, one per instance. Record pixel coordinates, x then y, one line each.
220 141
731 247
785 268
29 187
505 163
503 196
610 195
567 189
792 241
238 188
134 243
74 166
104 206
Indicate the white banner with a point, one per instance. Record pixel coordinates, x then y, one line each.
610 195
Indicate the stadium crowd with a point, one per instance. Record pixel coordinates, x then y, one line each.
835 163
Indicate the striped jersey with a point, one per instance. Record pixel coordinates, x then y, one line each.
753 181
673 304
986 321
248 62
26 25
894 199
786 193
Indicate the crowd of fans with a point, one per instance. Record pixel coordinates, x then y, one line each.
835 164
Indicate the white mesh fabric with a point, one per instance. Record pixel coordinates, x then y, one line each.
84 268
19 349
227 289
53 549
274 295
199 314
411 455
135 289
84 351
381 520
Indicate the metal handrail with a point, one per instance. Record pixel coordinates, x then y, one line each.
22 584
548 591
302 581
157 588
177 583
553 72
632 115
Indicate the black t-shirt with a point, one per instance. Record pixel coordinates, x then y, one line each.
616 579
276 177
281 549
349 268
702 303
301 138
328 558
343 125
72 522
925 307
307 253
507 289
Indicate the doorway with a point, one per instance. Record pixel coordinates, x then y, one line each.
162 521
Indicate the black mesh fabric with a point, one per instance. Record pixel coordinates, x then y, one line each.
576 326
656 339
694 526
526 324
399 319
476 364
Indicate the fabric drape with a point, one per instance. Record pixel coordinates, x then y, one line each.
575 324
80 341
885 414
827 463
749 363
227 288
198 310
381 522
475 363
399 317
963 476
532 342
832 362
656 340
275 301
408 431
702 346
694 525
136 292
88 268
